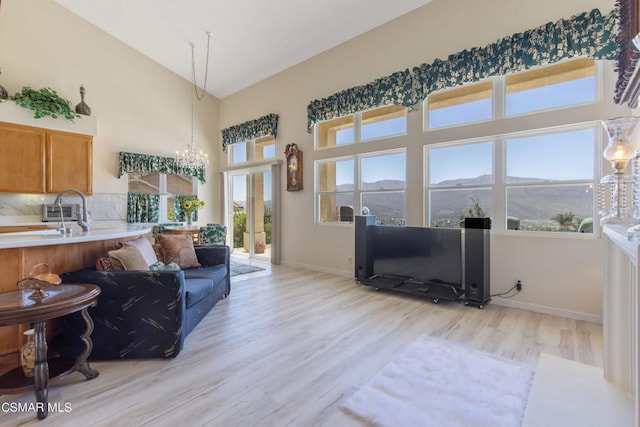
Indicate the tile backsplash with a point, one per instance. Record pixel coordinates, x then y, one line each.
26 208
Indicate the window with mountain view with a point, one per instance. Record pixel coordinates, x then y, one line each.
534 174
461 182
550 179
380 191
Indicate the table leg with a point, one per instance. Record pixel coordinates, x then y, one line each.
82 365
41 369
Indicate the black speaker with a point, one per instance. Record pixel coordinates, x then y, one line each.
363 262
477 261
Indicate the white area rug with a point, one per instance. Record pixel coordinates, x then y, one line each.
438 383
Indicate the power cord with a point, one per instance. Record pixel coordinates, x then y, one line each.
515 287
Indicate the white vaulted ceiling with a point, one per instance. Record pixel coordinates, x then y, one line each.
252 39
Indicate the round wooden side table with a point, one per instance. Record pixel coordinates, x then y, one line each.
16 307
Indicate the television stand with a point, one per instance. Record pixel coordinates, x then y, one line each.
435 290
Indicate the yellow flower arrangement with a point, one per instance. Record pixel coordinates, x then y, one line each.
190 203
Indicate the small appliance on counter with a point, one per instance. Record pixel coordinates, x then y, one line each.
57 213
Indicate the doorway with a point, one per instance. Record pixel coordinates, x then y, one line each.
251 212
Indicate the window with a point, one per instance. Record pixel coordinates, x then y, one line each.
368 125
254 150
467 104
461 183
530 176
166 185
553 86
550 180
380 190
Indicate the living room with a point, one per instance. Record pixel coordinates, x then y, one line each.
143 107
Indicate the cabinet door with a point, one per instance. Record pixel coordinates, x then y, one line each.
69 162
22 159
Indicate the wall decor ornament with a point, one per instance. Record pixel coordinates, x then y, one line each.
82 107
293 157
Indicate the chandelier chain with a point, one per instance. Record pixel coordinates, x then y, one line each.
200 95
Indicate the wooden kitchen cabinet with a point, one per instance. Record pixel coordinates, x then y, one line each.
37 160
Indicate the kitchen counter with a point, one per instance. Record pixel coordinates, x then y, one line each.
26 239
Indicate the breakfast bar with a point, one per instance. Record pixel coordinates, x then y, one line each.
61 252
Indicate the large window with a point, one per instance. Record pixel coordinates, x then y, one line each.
461 183
368 125
373 183
550 179
536 180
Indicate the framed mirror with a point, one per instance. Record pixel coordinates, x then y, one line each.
628 85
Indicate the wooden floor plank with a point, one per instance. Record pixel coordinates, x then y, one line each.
284 349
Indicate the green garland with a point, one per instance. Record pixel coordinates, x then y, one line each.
44 102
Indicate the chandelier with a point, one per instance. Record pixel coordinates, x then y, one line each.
192 156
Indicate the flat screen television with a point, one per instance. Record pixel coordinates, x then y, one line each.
427 255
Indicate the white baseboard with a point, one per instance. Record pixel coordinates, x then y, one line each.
505 302
576 315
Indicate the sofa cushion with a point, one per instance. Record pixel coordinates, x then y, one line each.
127 258
178 248
145 248
216 273
196 289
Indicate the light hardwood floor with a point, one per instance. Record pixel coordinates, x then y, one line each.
283 350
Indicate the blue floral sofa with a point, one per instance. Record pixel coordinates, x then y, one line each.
148 314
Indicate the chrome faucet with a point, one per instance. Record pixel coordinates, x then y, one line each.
83 220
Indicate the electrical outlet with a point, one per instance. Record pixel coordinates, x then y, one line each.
518 284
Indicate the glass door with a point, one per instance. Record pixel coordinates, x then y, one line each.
250 213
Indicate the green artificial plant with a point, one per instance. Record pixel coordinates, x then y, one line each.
44 102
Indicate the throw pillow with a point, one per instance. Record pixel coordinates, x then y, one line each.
103 264
145 248
178 248
161 266
158 250
129 257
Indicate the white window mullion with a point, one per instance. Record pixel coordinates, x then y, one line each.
357 127
499 185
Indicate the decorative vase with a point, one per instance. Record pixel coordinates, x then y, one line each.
189 217
82 107
28 353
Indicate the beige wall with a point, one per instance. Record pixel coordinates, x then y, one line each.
141 106
558 274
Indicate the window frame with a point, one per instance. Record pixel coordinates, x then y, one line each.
165 195
251 151
357 183
500 186
357 128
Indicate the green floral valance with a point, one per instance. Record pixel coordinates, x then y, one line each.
258 128
135 162
397 89
589 35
